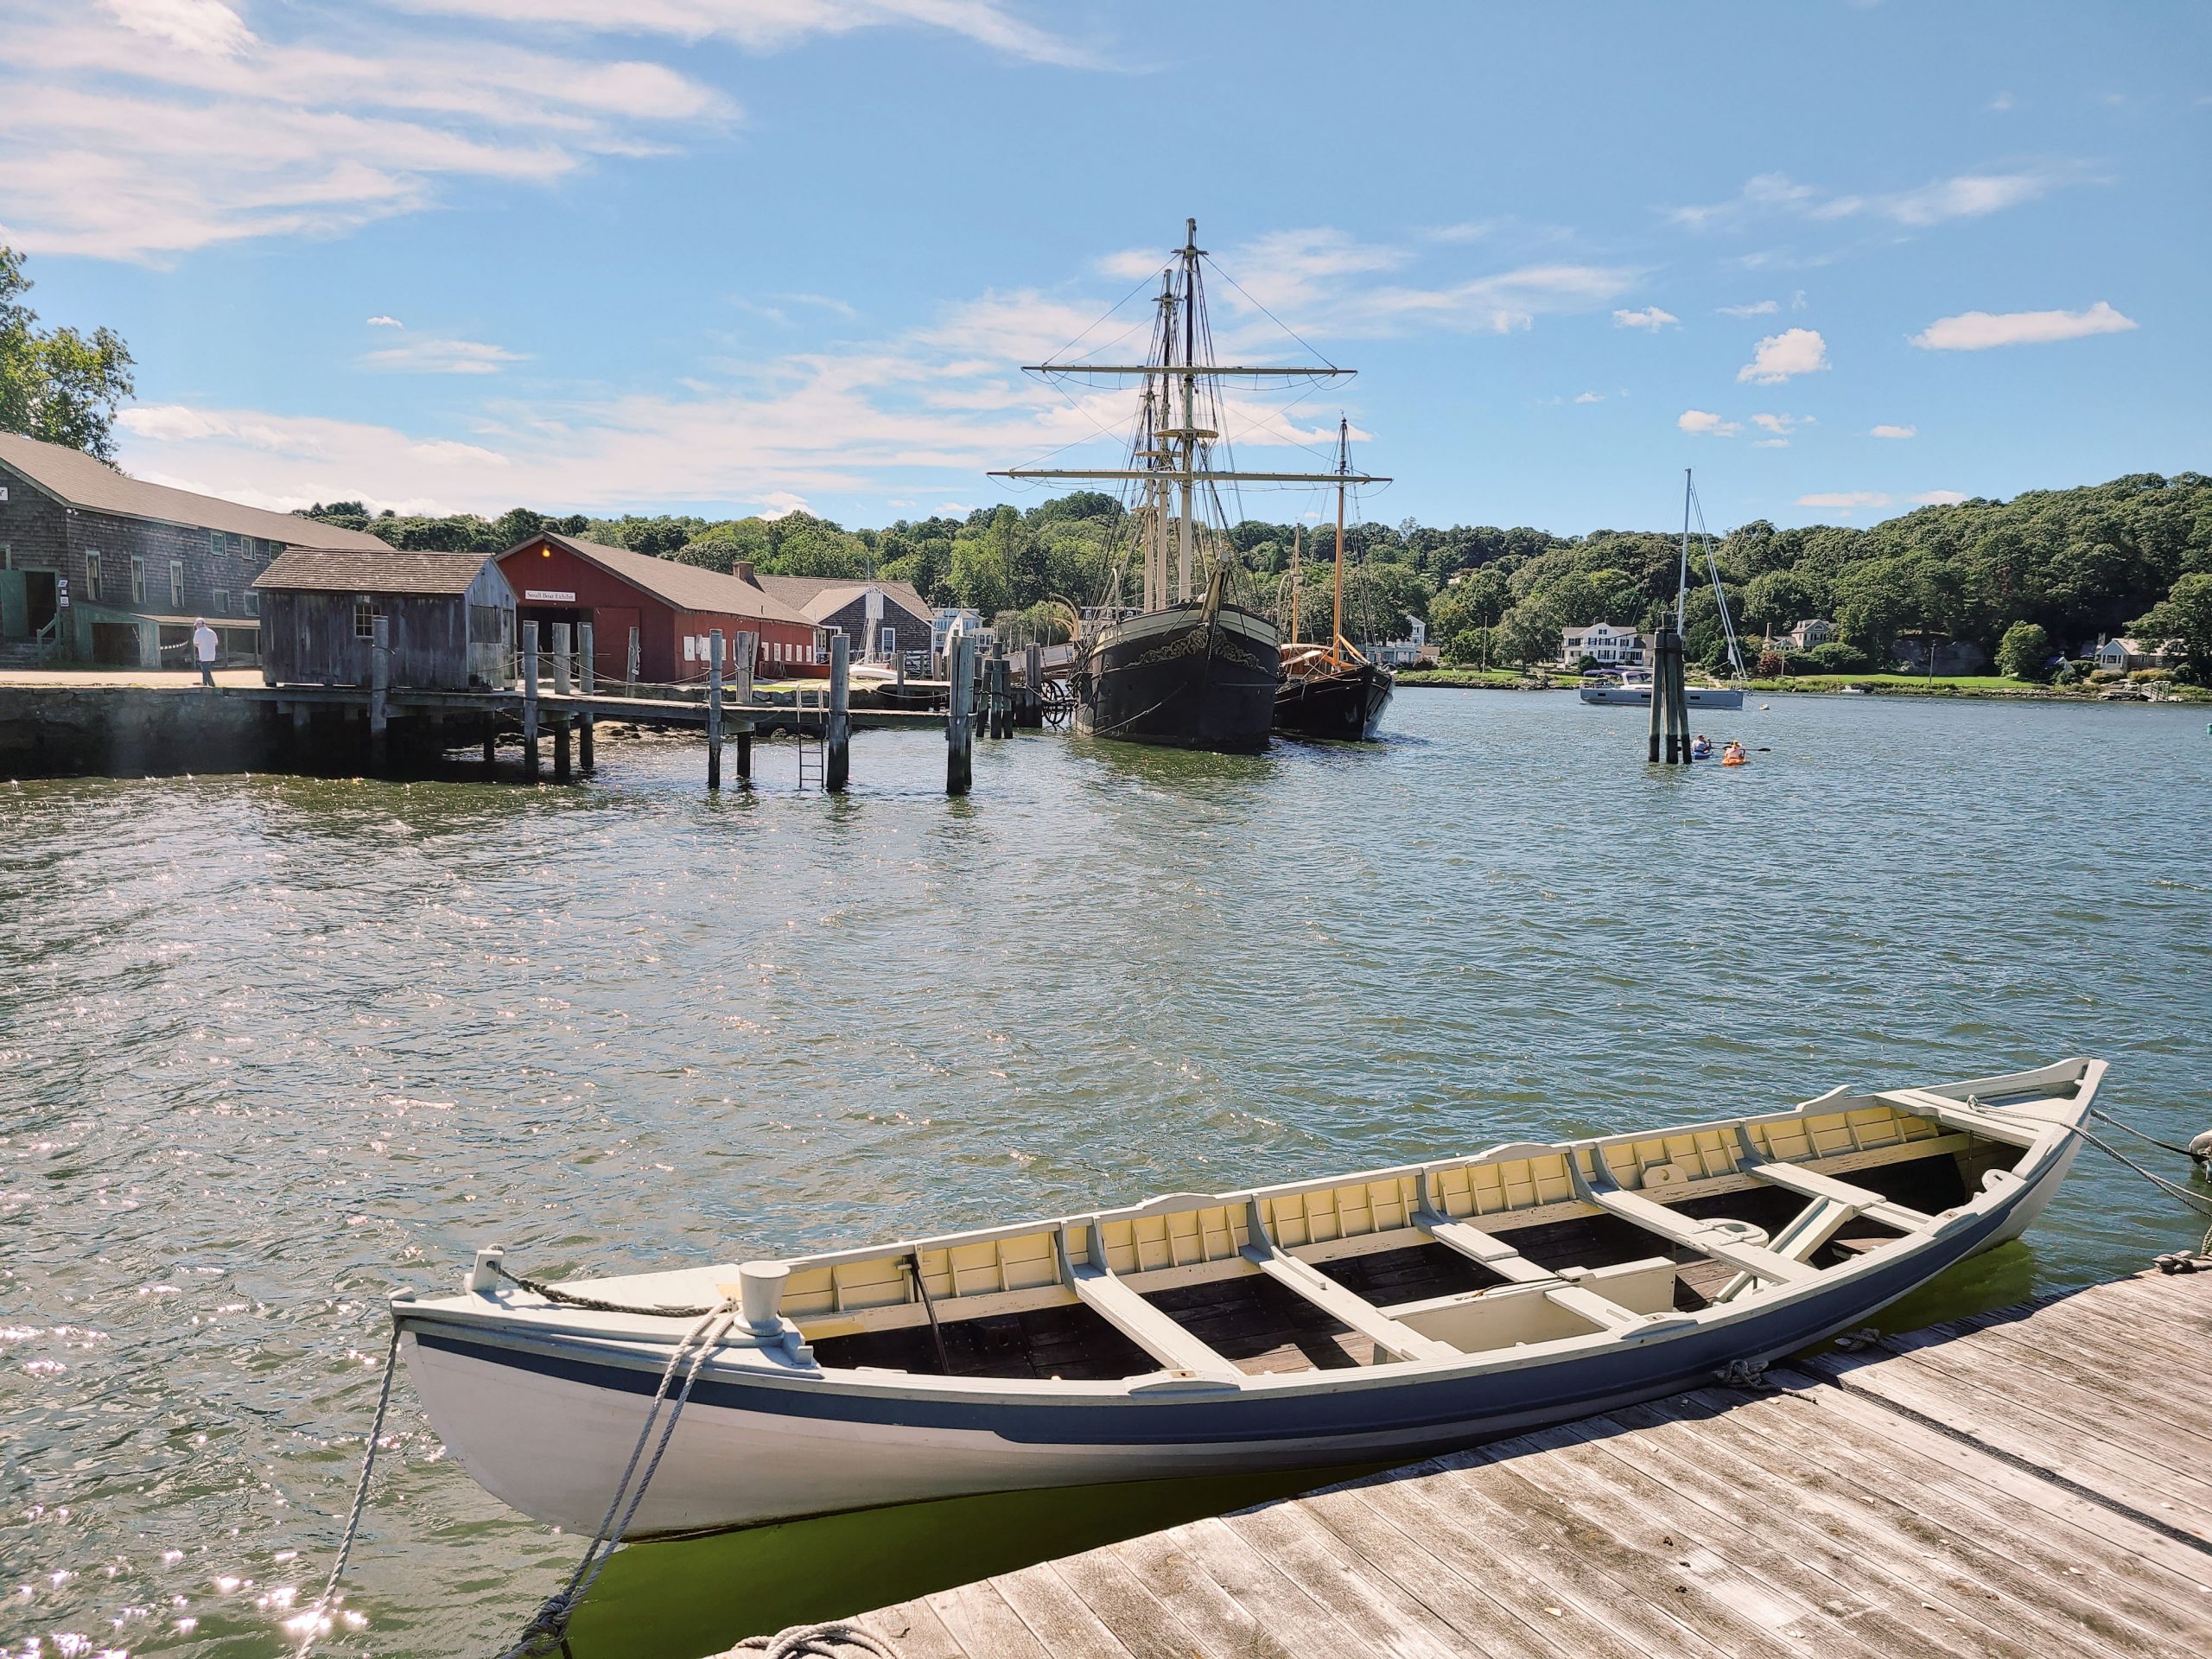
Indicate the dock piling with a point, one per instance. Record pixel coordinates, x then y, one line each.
562 771
491 754
959 730
630 663
587 682
749 653
715 708
529 701
562 649
379 690
837 767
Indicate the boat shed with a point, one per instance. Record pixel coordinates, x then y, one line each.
882 618
451 618
670 607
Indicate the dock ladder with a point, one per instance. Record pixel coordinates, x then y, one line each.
810 707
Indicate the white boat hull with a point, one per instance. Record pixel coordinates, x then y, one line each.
1701 697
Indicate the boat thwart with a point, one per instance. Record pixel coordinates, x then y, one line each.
1367 1317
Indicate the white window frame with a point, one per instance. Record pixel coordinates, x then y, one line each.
251 599
220 601
92 574
177 584
138 579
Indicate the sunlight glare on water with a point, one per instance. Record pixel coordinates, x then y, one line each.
272 1046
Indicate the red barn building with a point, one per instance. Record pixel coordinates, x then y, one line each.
673 608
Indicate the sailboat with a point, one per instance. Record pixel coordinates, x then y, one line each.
1190 668
1635 684
1331 691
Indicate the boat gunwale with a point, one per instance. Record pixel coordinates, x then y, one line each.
504 1321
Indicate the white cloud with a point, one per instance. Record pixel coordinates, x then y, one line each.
781 504
1589 397
1792 351
205 26
1704 423
1770 443
1651 318
424 355
1756 308
1939 498
1965 195
385 322
1977 331
2002 102
1844 500
1780 424
1894 432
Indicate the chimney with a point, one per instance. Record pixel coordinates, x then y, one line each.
744 572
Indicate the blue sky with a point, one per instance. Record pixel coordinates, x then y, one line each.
730 256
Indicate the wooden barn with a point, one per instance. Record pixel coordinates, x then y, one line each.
673 609
452 618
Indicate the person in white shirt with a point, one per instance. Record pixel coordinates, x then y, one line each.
203 649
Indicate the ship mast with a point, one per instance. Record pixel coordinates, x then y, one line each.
1344 465
1682 588
1177 455
1297 559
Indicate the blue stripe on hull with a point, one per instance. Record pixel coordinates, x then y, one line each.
1434 1411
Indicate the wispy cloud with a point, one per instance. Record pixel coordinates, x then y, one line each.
1650 319
1770 443
1704 423
1977 331
1894 432
385 322
1589 397
1939 498
1756 308
1844 501
425 355
1779 357
1782 425
1964 195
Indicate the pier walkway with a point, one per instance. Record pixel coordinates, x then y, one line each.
2033 1482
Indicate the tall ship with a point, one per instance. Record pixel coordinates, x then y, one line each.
1331 691
1634 685
1192 665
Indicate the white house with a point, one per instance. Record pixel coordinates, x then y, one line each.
1814 631
2125 656
1402 653
1609 646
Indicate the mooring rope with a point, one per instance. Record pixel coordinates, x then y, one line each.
2129 1128
316 1619
828 1640
568 1299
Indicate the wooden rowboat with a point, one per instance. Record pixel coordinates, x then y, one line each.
1381 1316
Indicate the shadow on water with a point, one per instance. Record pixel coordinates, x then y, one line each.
680 1598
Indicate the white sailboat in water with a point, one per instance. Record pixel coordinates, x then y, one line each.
1634 685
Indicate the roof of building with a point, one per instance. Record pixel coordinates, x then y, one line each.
90 485
818 597
387 570
686 587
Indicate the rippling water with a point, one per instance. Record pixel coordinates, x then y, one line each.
270 1046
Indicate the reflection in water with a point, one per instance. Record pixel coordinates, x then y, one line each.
270 1048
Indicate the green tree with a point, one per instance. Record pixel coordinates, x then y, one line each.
2184 614
2024 651
57 384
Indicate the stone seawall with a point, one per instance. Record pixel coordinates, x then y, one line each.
111 731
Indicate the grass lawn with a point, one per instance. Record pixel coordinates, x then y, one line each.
1493 677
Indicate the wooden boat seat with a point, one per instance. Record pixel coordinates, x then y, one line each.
1813 1185
1345 1307
1954 1115
1706 1238
1487 1249
1175 1348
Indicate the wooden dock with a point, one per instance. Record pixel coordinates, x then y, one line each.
2037 1481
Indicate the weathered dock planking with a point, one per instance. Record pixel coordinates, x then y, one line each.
2037 1481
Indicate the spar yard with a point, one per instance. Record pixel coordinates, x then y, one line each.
2036 1481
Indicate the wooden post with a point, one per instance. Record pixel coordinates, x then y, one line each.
630 661
379 689
562 647
1032 675
899 670
713 709
563 773
1658 692
748 652
959 730
587 682
529 701
837 761
491 754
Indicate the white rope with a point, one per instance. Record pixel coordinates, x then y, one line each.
548 1628
317 1621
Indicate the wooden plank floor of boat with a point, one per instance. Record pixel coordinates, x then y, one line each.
2034 1482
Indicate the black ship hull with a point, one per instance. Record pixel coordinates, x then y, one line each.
1340 702
1182 678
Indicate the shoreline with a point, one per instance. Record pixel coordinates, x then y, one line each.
1824 685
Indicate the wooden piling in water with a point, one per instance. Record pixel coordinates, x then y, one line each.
529 701
837 761
491 754
379 691
562 772
713 709
959 728
587 682
562 638
630 662
748 651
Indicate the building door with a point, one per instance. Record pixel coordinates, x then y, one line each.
41 596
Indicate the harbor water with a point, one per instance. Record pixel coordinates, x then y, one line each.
271 1047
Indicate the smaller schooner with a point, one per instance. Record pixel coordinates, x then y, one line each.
1331 691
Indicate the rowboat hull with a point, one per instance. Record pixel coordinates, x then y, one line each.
1345 704
1701 697
546 1419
